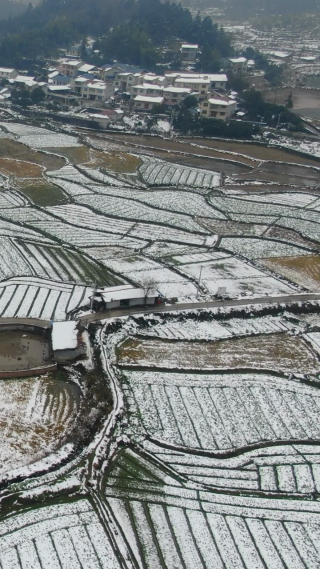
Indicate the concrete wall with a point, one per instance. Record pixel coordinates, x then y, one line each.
28 372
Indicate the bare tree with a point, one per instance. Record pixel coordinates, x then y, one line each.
149 285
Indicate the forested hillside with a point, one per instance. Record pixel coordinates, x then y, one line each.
130 30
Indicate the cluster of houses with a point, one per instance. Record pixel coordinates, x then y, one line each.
74 82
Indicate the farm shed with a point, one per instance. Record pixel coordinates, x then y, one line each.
124 296
66 341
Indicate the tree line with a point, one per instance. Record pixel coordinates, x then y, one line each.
139 32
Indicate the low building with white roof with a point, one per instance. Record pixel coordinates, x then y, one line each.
124 296
218 107
175 95
8 73
66 341
143 103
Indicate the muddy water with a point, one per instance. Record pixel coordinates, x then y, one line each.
22 350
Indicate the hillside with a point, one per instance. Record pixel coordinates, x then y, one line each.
246 8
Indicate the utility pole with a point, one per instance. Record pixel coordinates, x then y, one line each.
199 281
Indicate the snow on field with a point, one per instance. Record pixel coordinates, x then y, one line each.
50 301
213 330
207 529
296 199
68 535
160 173
39 137
44 409
85 217
140 270
130 209
254 248
238 277
220 411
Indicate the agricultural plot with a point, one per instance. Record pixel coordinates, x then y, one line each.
280 353
304 271
39 137
160 173
68 535
174 526
63 264
130 209
39 298
238 277
253 248
195 329
36 416
219 412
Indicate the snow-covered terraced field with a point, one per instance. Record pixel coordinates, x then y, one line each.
39 298
64 536
236 276
175 526
160 173
275 469
220 412
213 330
39 137
254 248
130 209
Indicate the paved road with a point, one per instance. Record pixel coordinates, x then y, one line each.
196 305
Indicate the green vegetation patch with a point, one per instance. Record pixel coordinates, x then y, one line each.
43 194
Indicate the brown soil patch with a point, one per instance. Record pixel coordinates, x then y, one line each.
290 236
252 152
273 352
304 271
13 149
116 161
22 350
20 169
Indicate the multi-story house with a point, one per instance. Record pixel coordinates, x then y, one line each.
217 107
189 52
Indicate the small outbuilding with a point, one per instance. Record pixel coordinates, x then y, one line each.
66 341
124 296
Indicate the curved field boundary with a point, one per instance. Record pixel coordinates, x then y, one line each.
28 372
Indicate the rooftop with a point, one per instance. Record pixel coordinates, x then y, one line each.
64 335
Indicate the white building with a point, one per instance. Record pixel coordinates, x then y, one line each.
195 83
8 73
238 65
189 52
175 95
218 107
125 296
96 90
142 103
148 90
69 67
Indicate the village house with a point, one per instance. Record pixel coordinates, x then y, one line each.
175 95
8 73
143 103
96 90
196 84
123 296
238 65
189 52
67 344
69 67
218 107
147 90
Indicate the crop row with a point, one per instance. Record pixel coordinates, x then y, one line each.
220 413
164 525
68 536
164 174
36 298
